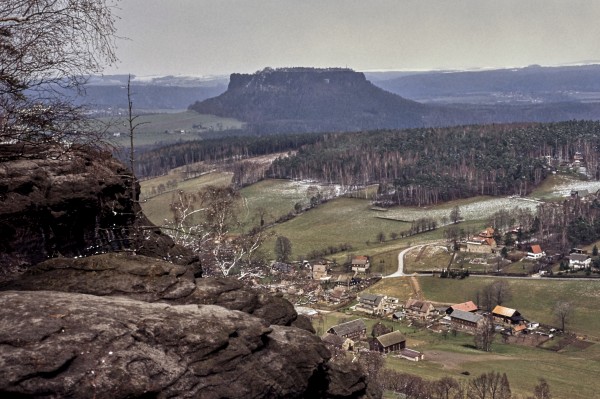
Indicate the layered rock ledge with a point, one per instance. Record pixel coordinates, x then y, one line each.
80 346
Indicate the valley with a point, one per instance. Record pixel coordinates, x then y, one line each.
350 218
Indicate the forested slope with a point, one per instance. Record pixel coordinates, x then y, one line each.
428 166
160 160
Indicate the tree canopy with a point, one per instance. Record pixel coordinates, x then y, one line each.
46 46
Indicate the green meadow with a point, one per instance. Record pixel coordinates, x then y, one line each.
355 222
165 128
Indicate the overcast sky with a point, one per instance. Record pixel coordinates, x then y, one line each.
214 37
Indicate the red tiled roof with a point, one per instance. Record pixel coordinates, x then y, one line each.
536 249
360 260
465 306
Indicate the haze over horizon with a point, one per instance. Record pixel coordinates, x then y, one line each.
219 37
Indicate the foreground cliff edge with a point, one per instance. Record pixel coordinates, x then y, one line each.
126 324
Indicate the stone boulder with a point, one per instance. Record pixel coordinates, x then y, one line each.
69 345
150 280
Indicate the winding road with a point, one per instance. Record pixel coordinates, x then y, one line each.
400 271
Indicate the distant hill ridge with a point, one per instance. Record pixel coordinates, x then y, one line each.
311 99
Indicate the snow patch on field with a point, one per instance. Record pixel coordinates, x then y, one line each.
564 189
478 210
299 189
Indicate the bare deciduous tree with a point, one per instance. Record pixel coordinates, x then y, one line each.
484 336
207 223
541 390
47 46
489 386
563 312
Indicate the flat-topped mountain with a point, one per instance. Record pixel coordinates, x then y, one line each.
340 99
308 99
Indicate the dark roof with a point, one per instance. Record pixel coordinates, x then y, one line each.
376 299
410 353
389 339
332 339
578 257
399 315
466 316
349 327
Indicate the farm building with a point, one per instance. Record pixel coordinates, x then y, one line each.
481 245
506 315
355 329
360 263
465 307
411 354
390 342
461 320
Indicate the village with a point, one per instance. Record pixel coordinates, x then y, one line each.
324 287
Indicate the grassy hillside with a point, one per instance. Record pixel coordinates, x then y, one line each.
454 355
156 208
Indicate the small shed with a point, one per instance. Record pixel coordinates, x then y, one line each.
506 315
411 355
397 316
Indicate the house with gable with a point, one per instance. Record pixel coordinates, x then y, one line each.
579 261
319 272
371 303
483 243
421 309
506 315
461 320
536 253
360 263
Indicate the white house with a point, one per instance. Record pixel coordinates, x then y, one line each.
536 252
579 261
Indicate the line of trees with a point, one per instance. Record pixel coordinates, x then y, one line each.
490 385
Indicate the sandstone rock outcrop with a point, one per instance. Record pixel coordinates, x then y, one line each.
70 345
95 309
73 204
150 280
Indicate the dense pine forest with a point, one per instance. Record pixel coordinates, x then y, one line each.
433 165
159 161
